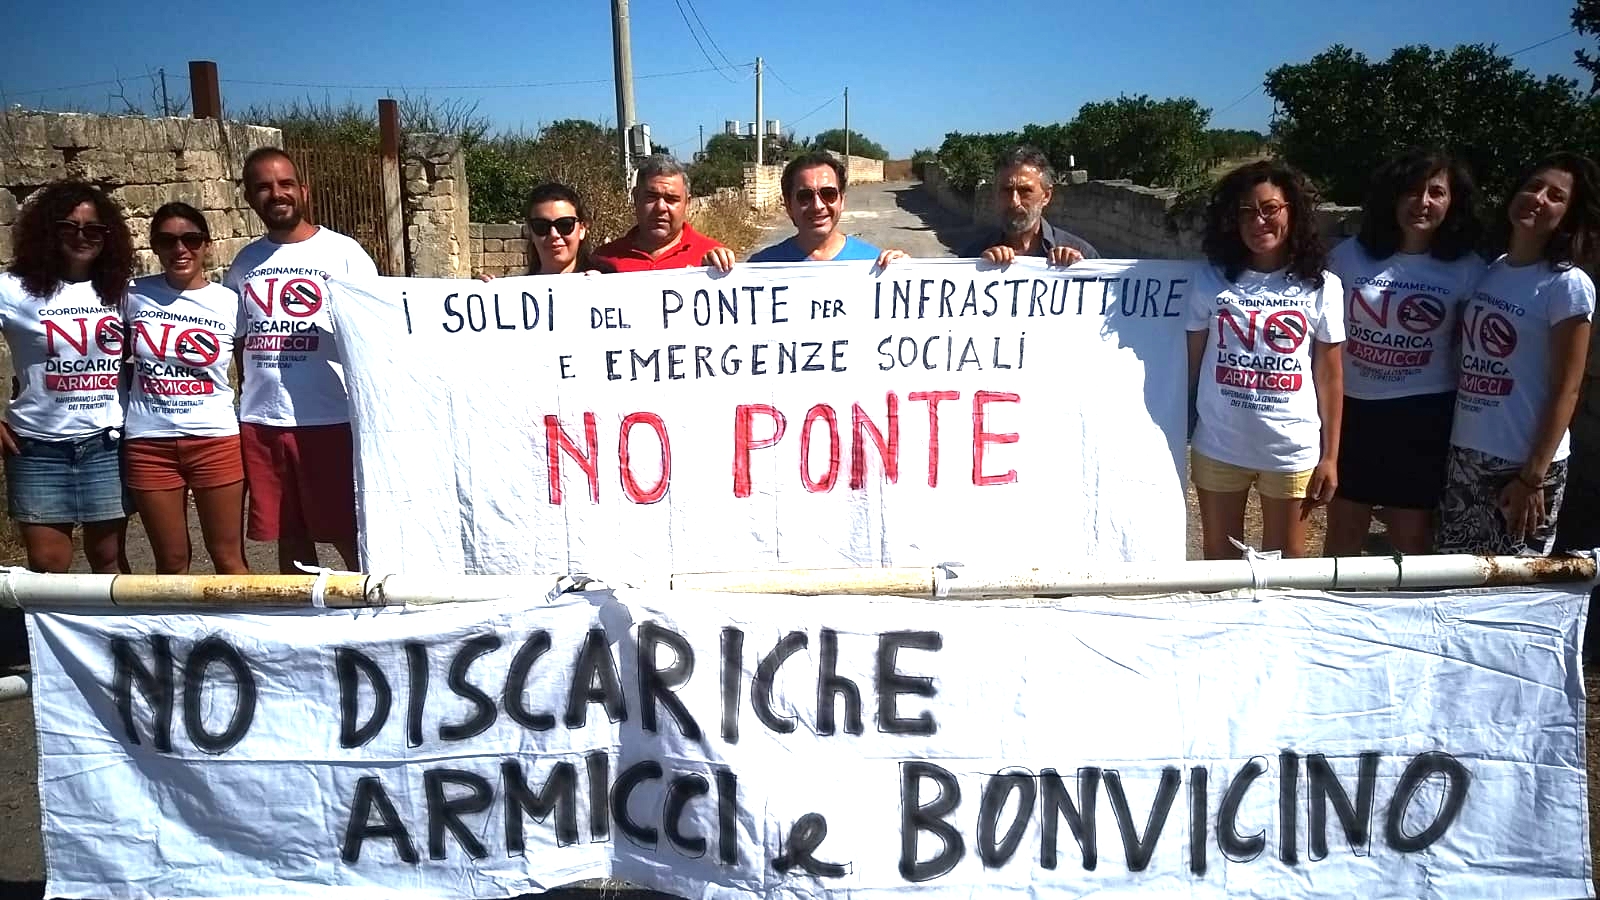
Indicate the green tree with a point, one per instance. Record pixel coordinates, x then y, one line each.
1152 142
860 144
1340 115
968 159
1586 19
1231 143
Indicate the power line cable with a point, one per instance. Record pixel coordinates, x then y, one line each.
713 40
685 16
768 69
825 104
1247 96
460 87
1543 42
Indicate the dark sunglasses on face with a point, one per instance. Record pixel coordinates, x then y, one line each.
804 196
91 232
563 226
165 242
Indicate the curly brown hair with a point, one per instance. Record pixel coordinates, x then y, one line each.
1308 255
39 262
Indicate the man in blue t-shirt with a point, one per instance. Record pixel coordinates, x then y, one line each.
813 195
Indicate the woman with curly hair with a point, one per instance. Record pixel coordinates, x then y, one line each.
1265 324
61 317
1524 339
1406 277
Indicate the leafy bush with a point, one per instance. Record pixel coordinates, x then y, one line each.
860 144
1341 115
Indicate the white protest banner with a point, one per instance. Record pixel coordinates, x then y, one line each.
1292 744
778 416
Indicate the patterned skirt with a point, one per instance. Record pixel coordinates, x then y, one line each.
1470 520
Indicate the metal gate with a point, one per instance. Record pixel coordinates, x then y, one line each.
346 193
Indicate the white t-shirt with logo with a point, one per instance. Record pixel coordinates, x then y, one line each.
1505 355
292 374
1400 320
66 360
1257 400
182 345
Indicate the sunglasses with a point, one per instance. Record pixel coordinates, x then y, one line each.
91 232
165 242
804 196
563 226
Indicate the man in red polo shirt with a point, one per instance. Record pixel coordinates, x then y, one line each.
661 237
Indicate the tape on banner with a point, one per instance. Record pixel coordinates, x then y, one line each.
943 574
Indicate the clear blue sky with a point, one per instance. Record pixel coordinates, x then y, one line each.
915 69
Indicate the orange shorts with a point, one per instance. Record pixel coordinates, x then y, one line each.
167 464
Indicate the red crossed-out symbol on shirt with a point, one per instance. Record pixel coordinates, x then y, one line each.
197 347
1421 313
1285 330
1497 335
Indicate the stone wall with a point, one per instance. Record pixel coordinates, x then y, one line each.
499 250
435 207
1122 219
142 163
763 186
861 169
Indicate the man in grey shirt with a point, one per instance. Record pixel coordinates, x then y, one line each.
1024 183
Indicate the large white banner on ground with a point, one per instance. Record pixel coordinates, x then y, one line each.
779 416
1297 744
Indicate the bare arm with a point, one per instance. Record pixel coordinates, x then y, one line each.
1522 499
1327 371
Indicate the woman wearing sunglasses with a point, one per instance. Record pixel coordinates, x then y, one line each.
59 311
557 227
1524 339
1265 324
183 434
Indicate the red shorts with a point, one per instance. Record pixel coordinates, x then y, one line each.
168 464
302 482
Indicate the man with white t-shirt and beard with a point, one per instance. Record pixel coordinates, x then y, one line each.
294 417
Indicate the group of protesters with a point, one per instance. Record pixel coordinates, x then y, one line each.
1445 413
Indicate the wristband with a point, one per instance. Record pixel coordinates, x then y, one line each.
1537 483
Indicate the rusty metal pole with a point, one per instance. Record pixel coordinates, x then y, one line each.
393 215
205 92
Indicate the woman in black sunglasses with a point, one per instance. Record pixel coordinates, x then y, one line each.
557 225
183 434
59 311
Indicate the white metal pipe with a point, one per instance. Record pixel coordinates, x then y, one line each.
15 687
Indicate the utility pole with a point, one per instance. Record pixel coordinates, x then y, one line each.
622 50
847 131
761 125
166 109
702 140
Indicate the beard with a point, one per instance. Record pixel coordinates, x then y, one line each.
1023 221
280 220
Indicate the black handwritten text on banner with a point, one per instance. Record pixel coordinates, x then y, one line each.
794 415
1299 744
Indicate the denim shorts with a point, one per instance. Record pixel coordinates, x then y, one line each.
61 482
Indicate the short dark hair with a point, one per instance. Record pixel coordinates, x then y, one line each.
260 154
39 263
1404 174
1223 246
661 165
811 160
1576 241
177 209
1026 155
